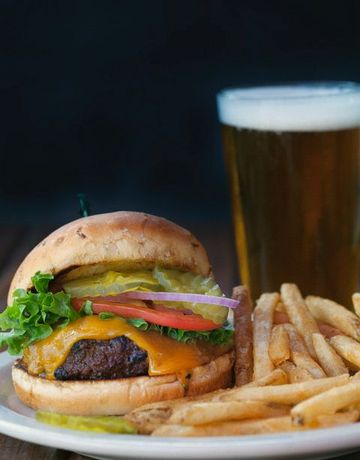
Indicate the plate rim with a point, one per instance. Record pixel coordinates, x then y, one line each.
329 441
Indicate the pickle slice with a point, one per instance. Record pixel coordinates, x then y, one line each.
158 279
99 424
111 283
177 281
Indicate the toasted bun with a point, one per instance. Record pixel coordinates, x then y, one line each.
119 396
118 240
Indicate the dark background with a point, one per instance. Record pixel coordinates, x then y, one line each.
117 98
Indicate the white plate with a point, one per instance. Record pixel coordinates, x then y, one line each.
18 421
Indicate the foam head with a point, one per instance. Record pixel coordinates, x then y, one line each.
300 107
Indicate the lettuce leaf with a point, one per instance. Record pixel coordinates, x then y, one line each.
219 336
34 315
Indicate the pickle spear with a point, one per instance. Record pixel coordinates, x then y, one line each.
99 424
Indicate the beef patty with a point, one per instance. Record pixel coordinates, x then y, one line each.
103 359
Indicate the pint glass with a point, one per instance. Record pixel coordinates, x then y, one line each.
293 159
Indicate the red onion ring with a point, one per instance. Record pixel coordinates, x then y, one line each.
179 297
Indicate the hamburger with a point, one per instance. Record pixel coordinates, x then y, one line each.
113 311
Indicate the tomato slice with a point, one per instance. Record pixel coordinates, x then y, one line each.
158 315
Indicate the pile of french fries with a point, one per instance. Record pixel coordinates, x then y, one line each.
297 367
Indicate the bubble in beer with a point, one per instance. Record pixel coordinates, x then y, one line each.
302 107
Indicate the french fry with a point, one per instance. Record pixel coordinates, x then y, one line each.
280 307
148 417
328 331
280 317
299 314
341 418
299 354
330 361
243 336
151 415
326 403
334 314
200 374
325 329
284 382
263 318
348 348
356 303
262 426
295 373
199 413
286 394
276 377
279 347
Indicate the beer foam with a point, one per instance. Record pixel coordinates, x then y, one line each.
300 107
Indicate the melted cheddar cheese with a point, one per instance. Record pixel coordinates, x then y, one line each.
166 356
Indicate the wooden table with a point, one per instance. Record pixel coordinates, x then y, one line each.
16 242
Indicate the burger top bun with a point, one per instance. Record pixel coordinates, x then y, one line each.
118 240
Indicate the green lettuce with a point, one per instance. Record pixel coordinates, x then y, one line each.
219 336
33 316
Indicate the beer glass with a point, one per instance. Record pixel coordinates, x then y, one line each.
293 157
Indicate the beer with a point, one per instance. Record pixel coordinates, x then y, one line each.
293 158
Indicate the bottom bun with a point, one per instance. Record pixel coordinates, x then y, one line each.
118 396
